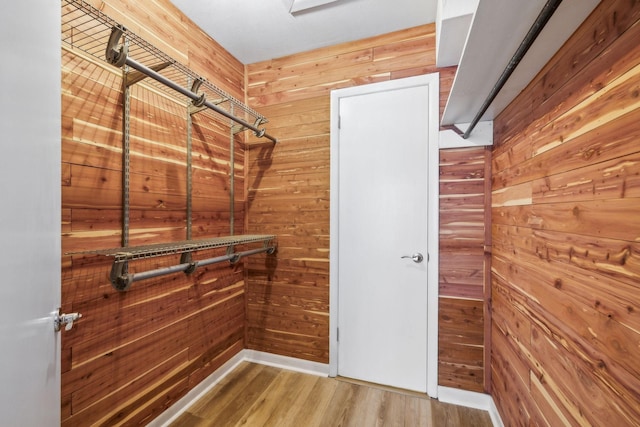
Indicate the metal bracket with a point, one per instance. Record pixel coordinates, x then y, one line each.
234 257
270 248
196 85
120 279
185 258
198 103
113 55
134 77
260 133
452 138
64 319
193 109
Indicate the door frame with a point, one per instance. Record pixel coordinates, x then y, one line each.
433 190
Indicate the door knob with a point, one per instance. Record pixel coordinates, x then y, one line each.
417 257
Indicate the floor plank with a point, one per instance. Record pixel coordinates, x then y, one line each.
418 412
319 398
258 395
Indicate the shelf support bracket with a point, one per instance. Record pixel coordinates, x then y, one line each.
134 77
453 138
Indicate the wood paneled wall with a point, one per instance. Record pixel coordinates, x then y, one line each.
288 195
463 267
566 227
133 354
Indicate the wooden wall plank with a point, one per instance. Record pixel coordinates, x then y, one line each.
608 142
586 218
462 268
461 343
565 267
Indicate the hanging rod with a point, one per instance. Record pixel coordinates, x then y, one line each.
542 19
120 58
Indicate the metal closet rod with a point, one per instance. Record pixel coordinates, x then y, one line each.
124 282
114 56
542 19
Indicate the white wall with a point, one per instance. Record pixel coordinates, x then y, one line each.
29 212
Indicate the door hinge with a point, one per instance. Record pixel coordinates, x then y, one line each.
338 334
339 122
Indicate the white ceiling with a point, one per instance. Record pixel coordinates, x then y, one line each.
257 30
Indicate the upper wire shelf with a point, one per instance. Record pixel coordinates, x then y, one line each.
88 29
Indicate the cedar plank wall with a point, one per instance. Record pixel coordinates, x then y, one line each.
288 195
133 354
463 273
566 233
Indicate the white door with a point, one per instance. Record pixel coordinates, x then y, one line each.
382 151
30 213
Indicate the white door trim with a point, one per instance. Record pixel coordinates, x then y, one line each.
432 81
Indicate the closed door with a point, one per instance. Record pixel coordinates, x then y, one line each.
382 234
30 216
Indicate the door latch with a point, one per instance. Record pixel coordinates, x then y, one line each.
65 319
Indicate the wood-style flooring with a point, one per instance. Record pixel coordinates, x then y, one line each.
259 395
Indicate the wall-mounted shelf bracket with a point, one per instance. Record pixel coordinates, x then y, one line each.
240 128
134 77
453 138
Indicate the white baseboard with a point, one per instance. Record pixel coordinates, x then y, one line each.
175 410
284 362
495 415
471 399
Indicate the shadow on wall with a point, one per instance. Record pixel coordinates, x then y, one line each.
263 160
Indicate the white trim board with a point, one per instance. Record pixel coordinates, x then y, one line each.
284 362
174 411
471 399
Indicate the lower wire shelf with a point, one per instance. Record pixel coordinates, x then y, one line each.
122 280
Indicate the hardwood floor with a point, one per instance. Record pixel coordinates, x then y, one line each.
258 395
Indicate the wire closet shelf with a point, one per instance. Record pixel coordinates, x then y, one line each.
185 246
88 29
